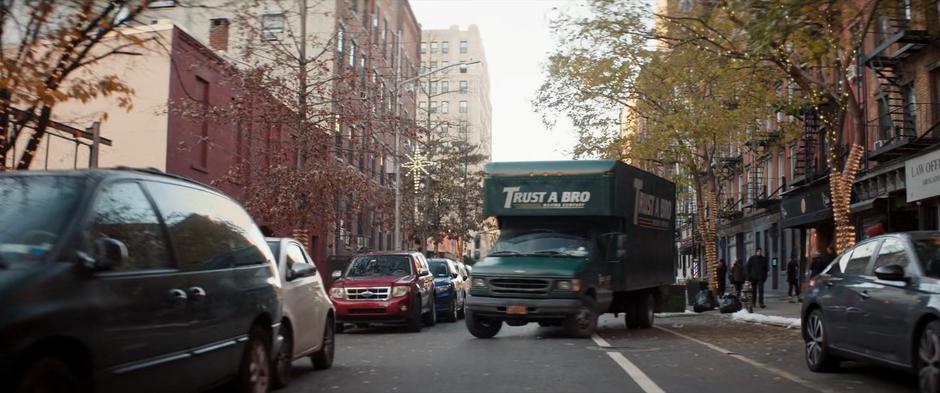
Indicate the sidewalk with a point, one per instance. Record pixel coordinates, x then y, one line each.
779 312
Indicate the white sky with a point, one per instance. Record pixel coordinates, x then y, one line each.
517 39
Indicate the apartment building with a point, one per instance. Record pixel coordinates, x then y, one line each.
457 103
901 92
363 49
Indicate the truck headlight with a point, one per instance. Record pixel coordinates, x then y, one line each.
479 283
568 285
338 293
400 291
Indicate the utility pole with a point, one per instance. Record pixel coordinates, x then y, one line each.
302 81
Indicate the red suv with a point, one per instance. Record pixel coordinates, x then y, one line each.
386 287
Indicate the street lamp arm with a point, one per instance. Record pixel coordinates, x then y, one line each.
414 78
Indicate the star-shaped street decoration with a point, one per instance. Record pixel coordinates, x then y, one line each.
417 163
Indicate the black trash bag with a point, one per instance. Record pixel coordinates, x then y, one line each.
704 301
730 304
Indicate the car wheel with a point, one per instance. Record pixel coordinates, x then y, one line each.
583 322
645 309
254 375
282 363
430 319
323 359
452 311
49 375
928 358
818 358
462 312
482 327
415 322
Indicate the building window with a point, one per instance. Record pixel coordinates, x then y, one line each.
463 47
434 106
272 27
433 47
445 106
340 41
424 48
445 87
463 127
362 71
161 4
444 128
385 37
354 6
445 47
935 79
444 64
463 106
375 24
910 110
464 87
433 87
884 119
423 105
433 66
352 54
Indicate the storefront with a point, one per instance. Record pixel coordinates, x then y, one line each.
806 213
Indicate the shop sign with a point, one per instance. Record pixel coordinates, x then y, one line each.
923 176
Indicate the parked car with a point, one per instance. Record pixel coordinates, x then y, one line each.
877 302
308 314
131 280
448 289
386 287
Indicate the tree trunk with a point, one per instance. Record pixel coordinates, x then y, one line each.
35 139
840 187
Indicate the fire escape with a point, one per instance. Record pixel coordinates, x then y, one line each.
805 168
896 42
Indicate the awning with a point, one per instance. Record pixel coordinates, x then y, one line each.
806 205
865 205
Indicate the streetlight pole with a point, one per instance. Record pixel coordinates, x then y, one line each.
463 70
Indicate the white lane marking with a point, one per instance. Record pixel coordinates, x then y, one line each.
773 370
632 370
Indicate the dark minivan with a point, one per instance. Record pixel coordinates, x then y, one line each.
878 302
131 280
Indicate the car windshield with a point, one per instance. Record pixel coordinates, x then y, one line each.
275 247
40 207
541 242
928 252
439 268
380 265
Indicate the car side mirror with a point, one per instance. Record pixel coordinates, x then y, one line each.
301 269
890 273
336 274
109 253
423 272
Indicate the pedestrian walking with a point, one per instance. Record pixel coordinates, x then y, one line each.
722 276
756 268
738 276
793 278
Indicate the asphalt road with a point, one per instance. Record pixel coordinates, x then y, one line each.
694 353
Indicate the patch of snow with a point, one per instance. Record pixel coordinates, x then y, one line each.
685 313
745 316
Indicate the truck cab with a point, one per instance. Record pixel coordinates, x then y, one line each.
577 239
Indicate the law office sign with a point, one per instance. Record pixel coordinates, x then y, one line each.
923 176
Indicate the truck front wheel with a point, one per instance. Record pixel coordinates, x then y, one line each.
582 324
482 327
645 307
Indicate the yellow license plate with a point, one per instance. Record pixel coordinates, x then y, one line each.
517 310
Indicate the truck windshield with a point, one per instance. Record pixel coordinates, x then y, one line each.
380 265
541 242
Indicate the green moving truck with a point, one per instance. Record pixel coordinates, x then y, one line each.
577 239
